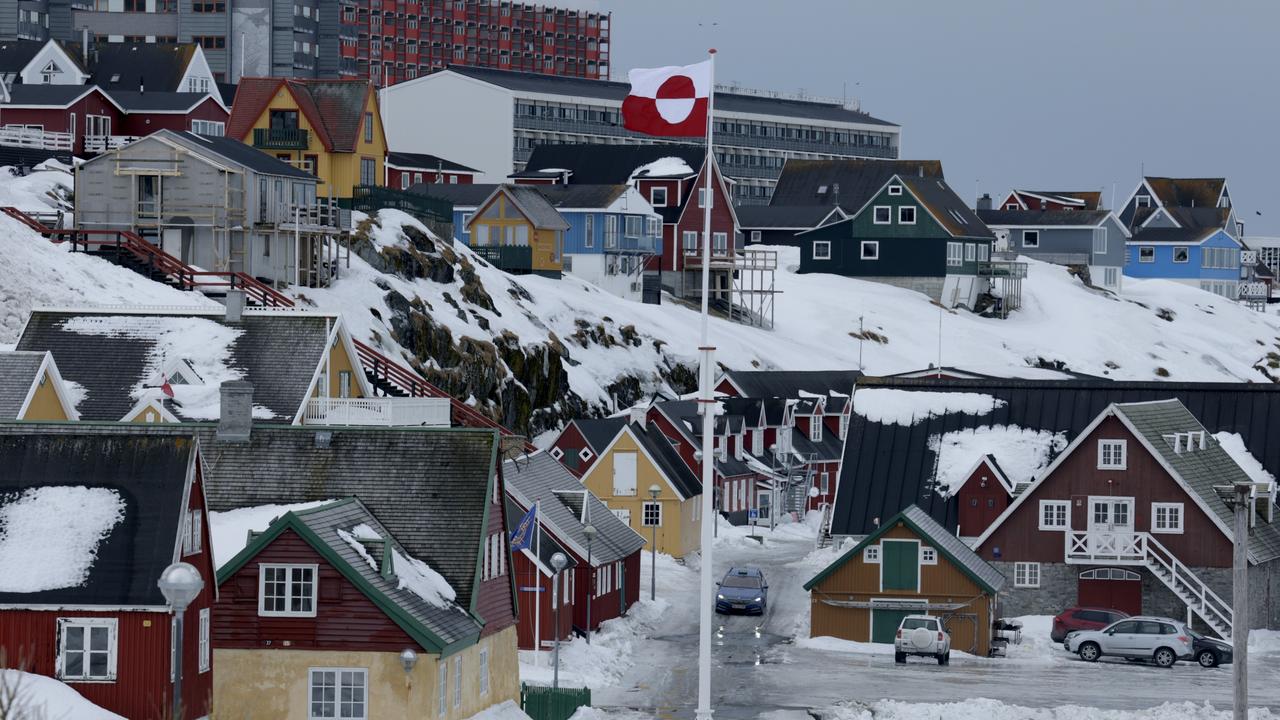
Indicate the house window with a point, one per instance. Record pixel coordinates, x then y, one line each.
404 181
755 236
821 249
970 252
1012 206
634 225
1054 514
339 693
589 231
1181 254
1144 201
344 383
1146 254
1111 276
720 243
690 242
1026 574
652 516
895 189
1166 518
1111 454
815 428
1100 241
702 197
368 127
457 681
1031 238
844 426
585 454
204 640
484 671
368 171
984 252
193 530
955 254
208 127
907 215
442 692
611 231
871 554
928 556
881 215
287 590
870 250
624 473
658 196
86 649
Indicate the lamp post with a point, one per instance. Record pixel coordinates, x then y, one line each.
1237 496
180 583
653 562
558 561
590 532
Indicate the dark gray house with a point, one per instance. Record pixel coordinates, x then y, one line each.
1093 239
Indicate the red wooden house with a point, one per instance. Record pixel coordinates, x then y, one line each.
582 440
605 567
92 518
1047 200
1127 517
985 493
404 170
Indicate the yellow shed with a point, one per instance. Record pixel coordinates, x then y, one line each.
519 231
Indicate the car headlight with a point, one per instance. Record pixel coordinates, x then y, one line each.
719 597
757 600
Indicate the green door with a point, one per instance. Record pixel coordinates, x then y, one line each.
884 624
900 565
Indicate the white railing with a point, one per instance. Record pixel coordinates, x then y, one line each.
18 136
1121 548
103 143
387 411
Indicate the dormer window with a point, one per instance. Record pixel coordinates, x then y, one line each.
1144 201
49 73
815 428
895 189
1112 455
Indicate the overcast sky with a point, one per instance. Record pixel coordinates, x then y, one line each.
1071 95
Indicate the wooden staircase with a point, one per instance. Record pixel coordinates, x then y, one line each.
128 249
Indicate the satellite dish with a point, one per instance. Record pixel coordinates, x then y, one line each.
813 492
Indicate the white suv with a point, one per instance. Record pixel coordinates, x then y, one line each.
922 635
1138 638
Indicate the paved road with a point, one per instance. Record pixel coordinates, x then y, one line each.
758 668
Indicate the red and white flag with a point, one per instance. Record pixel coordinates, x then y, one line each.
669 101
165 387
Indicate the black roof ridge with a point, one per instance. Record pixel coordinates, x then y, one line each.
1041 383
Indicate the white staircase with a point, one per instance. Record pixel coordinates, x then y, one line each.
824 530
1136 548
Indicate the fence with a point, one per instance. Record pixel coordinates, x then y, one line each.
19 136
543 703
371 198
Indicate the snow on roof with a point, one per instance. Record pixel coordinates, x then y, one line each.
907 407
1234 445
49 536
353 539
663 167
230 530
40 696
1022 453
420 579
204 343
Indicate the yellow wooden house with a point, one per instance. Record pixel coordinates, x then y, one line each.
636 462
32 389
518 230
331 128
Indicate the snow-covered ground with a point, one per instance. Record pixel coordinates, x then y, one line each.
26 696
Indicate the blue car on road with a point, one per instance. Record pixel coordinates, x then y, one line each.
743 590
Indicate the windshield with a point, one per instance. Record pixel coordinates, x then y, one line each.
741 581
913 623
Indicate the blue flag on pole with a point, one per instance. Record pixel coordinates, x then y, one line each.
522 536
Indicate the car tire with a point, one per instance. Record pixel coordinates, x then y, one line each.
1207 658
1165 657
1089 652
945 658
900 657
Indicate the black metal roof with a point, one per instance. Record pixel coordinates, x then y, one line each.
428 486
48 95
791 384
1043 217
599 432
887 467
423 161
600 164
245 155
781 217
147 472
725 101
462 195
684 480
847 182
130 66
17 374
15 54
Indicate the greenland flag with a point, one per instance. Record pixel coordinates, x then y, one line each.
669 101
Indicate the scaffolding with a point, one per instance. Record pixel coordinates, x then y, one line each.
1008 276
742 285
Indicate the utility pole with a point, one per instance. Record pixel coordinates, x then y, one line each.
1237 496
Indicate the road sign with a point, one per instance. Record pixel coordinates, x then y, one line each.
753 514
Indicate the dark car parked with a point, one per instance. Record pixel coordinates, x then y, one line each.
1210 652
1082 618
743 590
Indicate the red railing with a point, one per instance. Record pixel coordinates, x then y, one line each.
179 273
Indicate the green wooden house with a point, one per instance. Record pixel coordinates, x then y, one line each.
914 232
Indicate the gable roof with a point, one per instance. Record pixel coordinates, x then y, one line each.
781 217
945 206
1174 235
429 487
813 182
791 384
887 466
1187 192
581 196
535 208
436 627
18 372
277 351
128 66
567 508
462 195
599 432
1083 200
161 102
15 54
599 164
666 460
423 161
1043 218
334 108
241 153
53 96
65 470
947 544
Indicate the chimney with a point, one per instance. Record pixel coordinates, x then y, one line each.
84 45
141 86
984 202
235 305
921 171
235 411
636 415
835 194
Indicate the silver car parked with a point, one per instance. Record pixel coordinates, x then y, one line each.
1162 640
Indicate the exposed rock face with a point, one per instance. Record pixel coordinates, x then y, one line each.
521 382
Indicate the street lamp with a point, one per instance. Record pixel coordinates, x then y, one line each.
1236 496
654 490
558 561
180 583
590 532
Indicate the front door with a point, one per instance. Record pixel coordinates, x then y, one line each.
148 197
1112 588
1111 526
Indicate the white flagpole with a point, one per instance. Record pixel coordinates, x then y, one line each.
706 405
537 572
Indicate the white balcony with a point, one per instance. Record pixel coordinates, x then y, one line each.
103 143
1116 548
386 411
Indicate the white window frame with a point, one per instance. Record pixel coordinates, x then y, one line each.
644 514
1173 254
556 453
1149 250
1142 201
984 252
955 254
875 215
873 246
337 693
204 653
1026 574
654 196
442 688
1105 463
970 252
895 189
60 668
825 245
1061 507
1172 511
690 249
1027 238
635 473
928 555
484 671
289 589
702 198
585 454
457 681
815 428
902 209
871 554
719 244
755 236
1100 241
